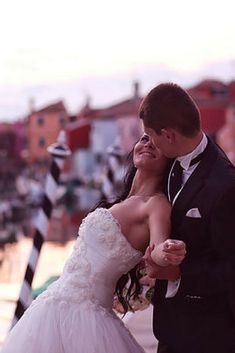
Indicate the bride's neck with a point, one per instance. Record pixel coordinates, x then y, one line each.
145 185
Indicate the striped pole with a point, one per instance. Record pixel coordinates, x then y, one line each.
59 152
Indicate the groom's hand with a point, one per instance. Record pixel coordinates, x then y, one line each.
174 250
170 273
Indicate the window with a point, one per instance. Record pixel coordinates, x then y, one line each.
40 120
219 91
62 120
41 142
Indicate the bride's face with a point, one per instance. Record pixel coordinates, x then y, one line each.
148 157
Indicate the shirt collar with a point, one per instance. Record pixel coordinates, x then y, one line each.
186 159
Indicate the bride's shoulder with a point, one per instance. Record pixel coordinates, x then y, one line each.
158 197
159 200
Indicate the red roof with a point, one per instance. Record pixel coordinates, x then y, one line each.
53 108
209 89
126 107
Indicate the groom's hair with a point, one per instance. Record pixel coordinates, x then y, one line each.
170 106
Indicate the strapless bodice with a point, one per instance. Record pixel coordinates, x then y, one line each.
100 256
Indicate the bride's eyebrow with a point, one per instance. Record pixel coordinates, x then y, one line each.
145 136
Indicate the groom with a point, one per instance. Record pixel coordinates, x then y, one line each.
194 303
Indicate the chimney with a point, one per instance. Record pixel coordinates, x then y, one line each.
136 87
88 102
31 105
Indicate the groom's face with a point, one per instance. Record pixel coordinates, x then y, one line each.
164 141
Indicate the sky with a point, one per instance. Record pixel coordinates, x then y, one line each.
69 49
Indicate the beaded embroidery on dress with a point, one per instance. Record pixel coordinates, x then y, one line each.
74 315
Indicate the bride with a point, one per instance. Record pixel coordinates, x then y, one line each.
74 315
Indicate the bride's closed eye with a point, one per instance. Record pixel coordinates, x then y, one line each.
145 138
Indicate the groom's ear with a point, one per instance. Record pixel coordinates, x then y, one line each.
169 135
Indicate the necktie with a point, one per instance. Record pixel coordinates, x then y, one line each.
175 180
176 177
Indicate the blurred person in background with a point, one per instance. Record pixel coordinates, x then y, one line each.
194 312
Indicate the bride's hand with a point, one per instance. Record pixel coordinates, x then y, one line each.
151 267
174 251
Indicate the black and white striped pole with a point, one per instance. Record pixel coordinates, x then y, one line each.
59 152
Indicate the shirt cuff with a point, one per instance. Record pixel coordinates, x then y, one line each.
172 288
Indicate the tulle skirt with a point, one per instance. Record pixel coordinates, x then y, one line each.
61 327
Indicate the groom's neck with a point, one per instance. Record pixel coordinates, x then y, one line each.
187 144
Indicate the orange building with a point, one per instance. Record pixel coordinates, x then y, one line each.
44 126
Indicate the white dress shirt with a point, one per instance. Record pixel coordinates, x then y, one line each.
185 161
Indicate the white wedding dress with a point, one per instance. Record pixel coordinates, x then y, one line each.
74 315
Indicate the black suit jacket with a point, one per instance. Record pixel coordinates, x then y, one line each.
206 296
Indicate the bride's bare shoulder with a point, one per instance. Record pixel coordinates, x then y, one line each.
159 200
158 197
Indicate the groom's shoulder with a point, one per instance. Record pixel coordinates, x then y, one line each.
222 176
222 164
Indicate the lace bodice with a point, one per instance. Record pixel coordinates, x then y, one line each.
100 256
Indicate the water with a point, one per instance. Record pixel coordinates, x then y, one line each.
12 271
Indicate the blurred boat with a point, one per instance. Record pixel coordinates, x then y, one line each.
43 287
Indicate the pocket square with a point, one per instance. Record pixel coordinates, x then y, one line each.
194 213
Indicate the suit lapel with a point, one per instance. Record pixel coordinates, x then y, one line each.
194 184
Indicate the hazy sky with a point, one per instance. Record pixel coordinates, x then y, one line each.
54 49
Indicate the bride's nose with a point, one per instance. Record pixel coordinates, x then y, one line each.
149 144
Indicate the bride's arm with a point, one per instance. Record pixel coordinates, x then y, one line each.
159 211
164 251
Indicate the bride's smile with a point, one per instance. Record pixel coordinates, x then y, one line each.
147 157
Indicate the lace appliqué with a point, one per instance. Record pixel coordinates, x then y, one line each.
74 284
108 231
